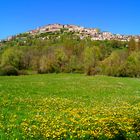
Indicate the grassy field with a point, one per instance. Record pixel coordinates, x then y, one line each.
69 106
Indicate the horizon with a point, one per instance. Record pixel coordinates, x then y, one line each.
115 16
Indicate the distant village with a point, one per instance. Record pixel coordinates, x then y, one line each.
93 33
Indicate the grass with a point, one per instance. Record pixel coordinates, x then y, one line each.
69 106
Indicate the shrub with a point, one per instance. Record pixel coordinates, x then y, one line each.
8 70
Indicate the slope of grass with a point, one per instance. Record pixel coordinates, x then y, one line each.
69 106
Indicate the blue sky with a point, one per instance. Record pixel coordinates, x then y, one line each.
117 16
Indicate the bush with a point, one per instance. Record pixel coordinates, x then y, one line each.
8 71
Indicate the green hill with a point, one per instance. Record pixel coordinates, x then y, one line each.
69 51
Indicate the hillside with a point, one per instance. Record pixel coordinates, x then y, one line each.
60 48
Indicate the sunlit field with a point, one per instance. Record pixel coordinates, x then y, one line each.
69 106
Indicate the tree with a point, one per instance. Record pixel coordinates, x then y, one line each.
60 58
138 45
91 58
132 65
112 65
132 45
12 56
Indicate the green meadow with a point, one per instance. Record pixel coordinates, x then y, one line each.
69 106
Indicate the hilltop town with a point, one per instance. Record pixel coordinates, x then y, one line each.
93 33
